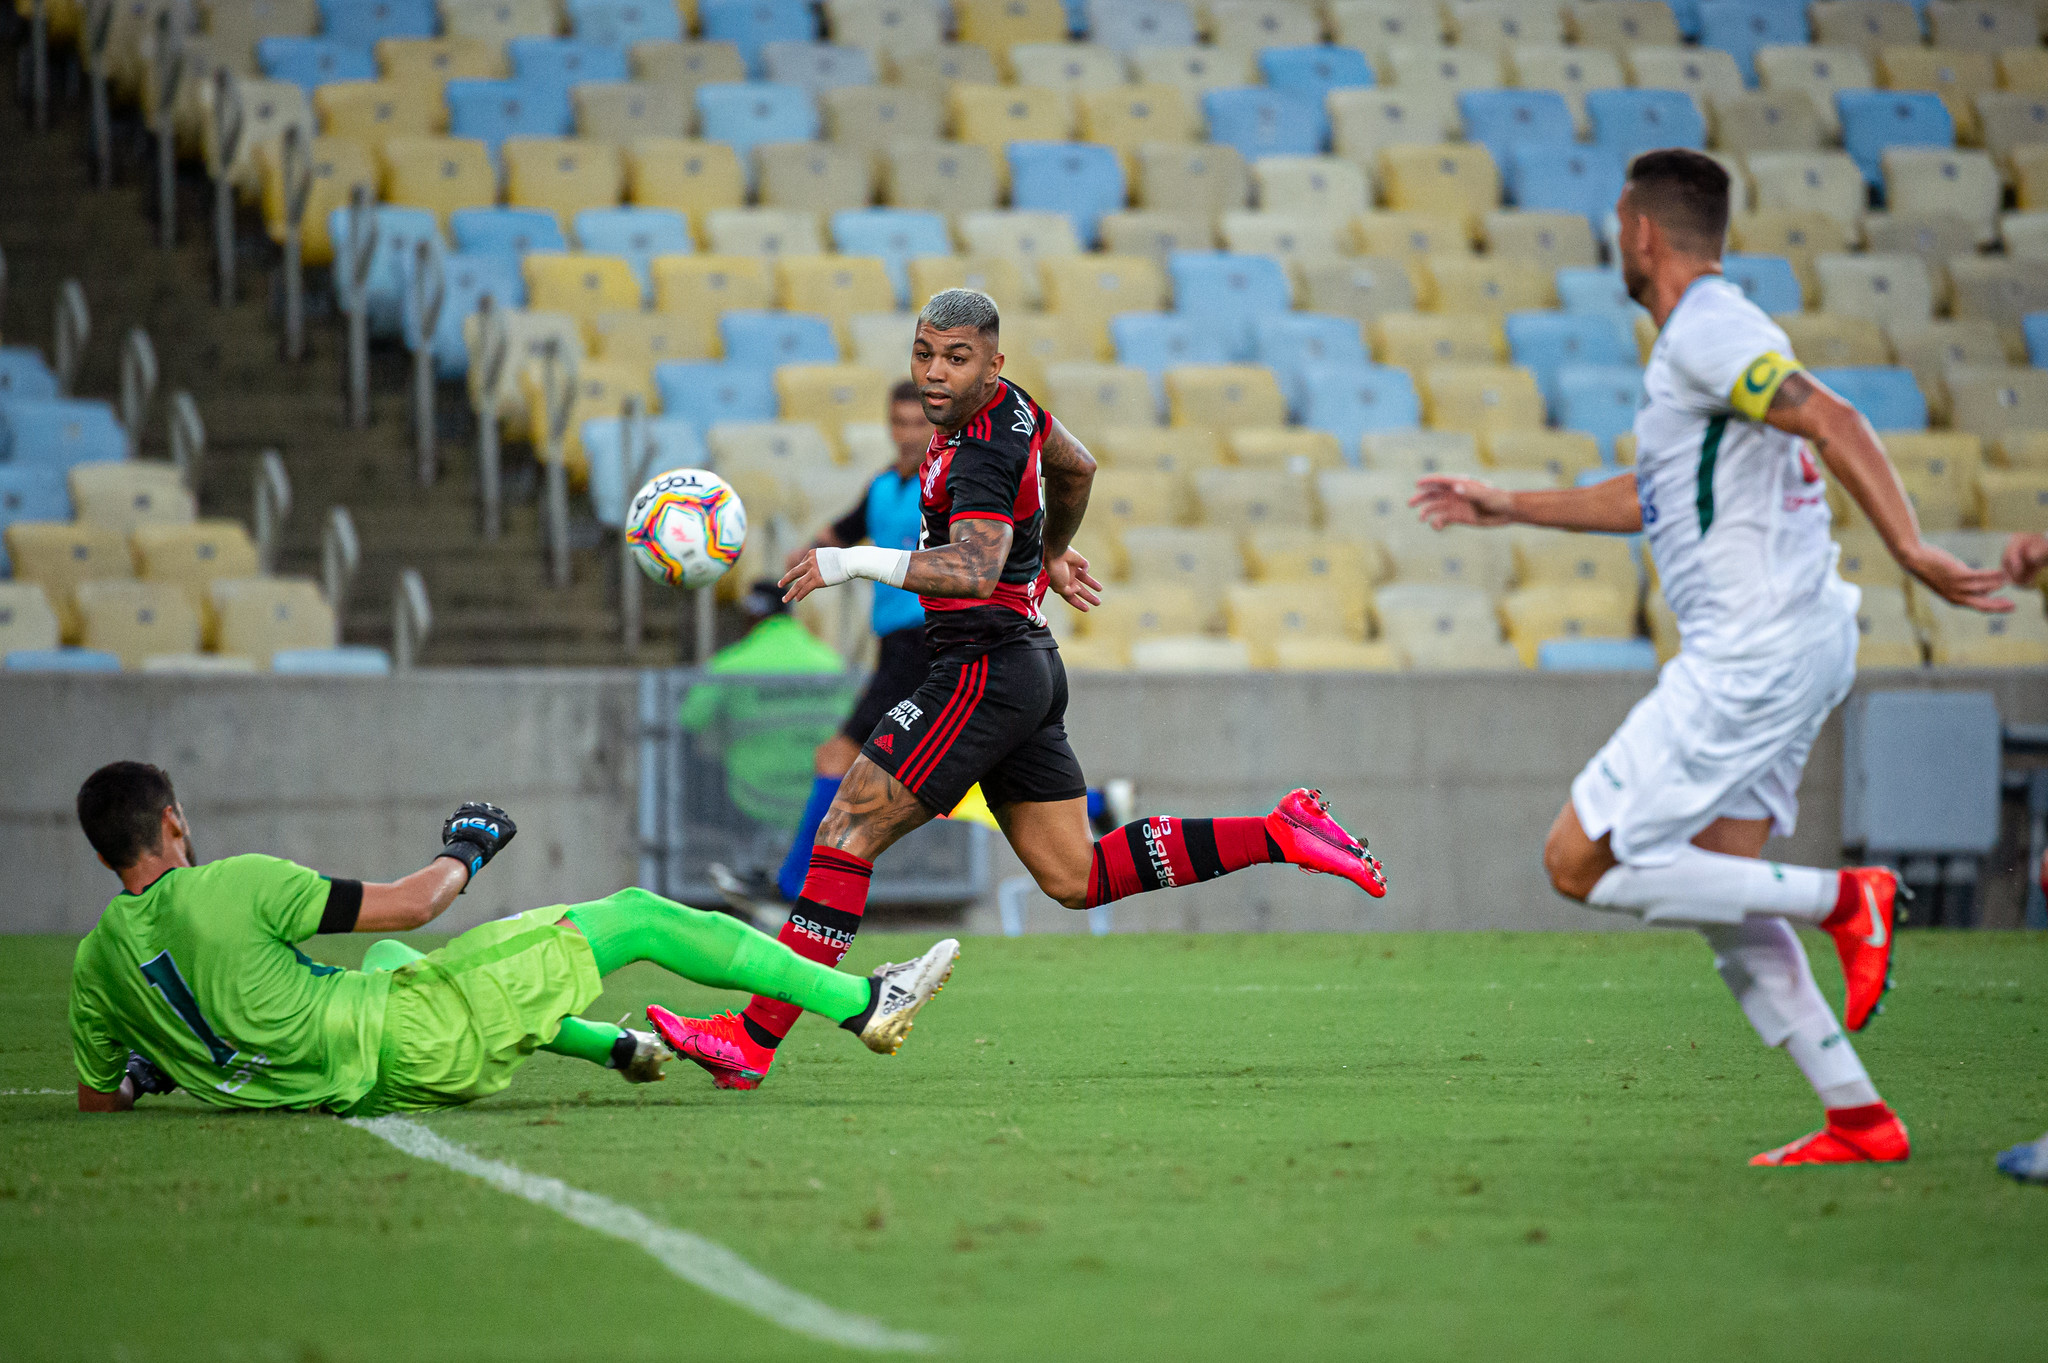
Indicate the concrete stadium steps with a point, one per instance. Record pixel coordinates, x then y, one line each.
492 601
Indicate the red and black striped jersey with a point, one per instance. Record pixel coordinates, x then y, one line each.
989 470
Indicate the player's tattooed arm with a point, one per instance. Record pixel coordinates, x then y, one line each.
969 567
1069 474
1806 407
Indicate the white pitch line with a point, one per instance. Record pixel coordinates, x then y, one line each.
692 1258
33 1093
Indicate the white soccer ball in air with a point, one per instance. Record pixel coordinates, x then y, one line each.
686 527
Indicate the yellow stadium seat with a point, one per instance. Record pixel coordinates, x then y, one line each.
1488 286
1296 240
1073 67
1347 565
1338 655
1000 277
1944 180
1206 179
338 166
2030 175
2023 68
1820 181
1250 25
527 338
1125 497
601 390
441 173
1165 449
1961 637
1378 26
579 283
1134 117
1194 70
1569 71
59 555
898 25
1999 291
1801 236
1412 340
937 70
787 453
1368 503
692 177
1139 612
494 21
1764 120
1618 25
868 118
685 65
1563 559
1325 185
1882 288
1817 72
373 111
127 493
2021 449
993 116
647 339
1564 455
1443 626
1294 449
1204 561
814 177
1822 339
1565 611
1223 397
1364 287
1937 237
1982 27
1089 290
1939 469
1410 235
1991 402
700 287
1480 398
830 395
268 108
438 60
1262 615
941 177
133 620
1026 238
26 620
193 556
1889 638
1550 240
560 174
259 616
1958 76
2011 121
881 340
1867 25
765 232
2013 499
1497 25
1702 72
1929 348
1364 121
1663 626
1156 233
1459 556
1245 500
1441 72
1000 25
1455 179
837 287
1412 453
623 112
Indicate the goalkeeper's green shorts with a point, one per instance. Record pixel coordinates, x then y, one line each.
462 1020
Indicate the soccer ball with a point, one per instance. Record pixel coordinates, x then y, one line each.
686 527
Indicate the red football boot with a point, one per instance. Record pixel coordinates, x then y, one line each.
1866 909
1311 839
720 1044
1853 1135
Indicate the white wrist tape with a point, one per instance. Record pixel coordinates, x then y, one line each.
876 564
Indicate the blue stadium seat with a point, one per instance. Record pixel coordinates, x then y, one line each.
467 278
1599 399
1596 655
818 67
751 25
1566 179
351 660
1740 27
750 113
506 230
706 392
638 234
1875 119
1157 341
896 235
1260 122
1508 120
493 110
1289 343
312 62
1687 13
1350 400
59 432
2035 327
676 446
31 492
621 23
1230 290
1633 121
1889 398
1768 280
399 232
1081 179
563 62
1545 342
60 660
1589 288
354 21
23 374
1126 25
772 338
1312 72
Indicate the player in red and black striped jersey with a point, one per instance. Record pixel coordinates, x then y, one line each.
1004 487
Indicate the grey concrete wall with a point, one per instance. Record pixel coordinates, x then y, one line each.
1454 778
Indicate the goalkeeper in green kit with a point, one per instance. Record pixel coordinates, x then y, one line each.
193 978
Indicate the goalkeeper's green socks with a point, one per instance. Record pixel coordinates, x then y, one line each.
712 949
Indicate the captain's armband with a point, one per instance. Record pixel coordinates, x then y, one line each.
1759 383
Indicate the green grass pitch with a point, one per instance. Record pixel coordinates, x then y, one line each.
1448 1147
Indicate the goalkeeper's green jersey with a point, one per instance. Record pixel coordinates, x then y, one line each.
201 974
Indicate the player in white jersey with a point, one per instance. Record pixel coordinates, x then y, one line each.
1668 821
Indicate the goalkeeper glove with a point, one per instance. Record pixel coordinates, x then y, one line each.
146 1077
474 834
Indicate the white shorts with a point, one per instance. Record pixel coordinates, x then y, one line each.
1715 741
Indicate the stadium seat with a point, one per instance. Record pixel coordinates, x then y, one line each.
1441 72
1868 25
1090 398
133 620
994 116
818 67
623 112
1313 71
1412 340
1887 397
312 62
702 288
442 174
765 232
1377 26
1193 70
1957 75
1561 558
1821 339
684 65
31 492
23 374
1627 122
1143 613
1959 636
528 335
561 175
124 494
1486 285
1600 400
498 21
1889 638
1498 25
581 284
1936 238
1537 615
1768 280
906 26
1131 25
514 231
1000 277
1824 182
352 21
1224 397
1080 180
1443 626
1411 452
1368 503
1260 122
1506 121
672 443
1800 236
2012 499
1203 561
635 234
1206 180
370 112
894 236
831 395
563 62
750 25
869 118
2009 120
1024 237
1351 400
881 340
1156 233
1262 616
1248 500
1123 497
1993 403
747 115
1073 67
1363 122
1360 287
938 177
58 556
836 287
1940 470
355 660
261 616
193 556
1596 655
1325 185
813 177
1158 341
1341 562
1228 290
1930 181
646 339
1759 121
492 110
1296 240
1295 449
1291 342
768 339
1740 27
59 432
1702 72
622 23
1256 25
1568 72
1584 289
1929 348
1453 180
1000 25
1566 179
27 624
1550 240
1818 73
1546 341
1882 288
2000 291
601 388
688 176
1982 27
337 166
1873 120
1478 398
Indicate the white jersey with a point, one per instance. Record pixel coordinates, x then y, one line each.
1734 509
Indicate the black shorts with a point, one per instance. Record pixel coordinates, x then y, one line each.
997 717
899 669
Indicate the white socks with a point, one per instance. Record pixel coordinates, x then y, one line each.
1703 887
1765 967
1824 1055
